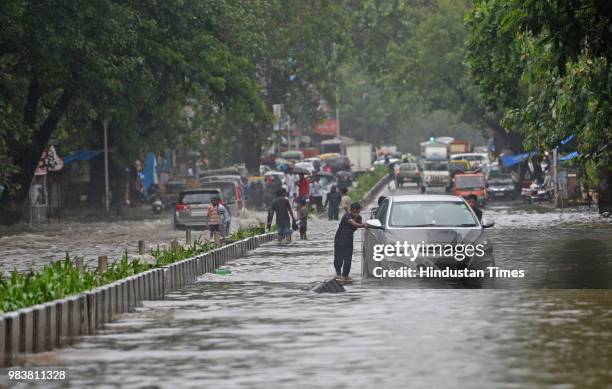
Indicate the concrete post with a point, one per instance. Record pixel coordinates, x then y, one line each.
62 317
141 247
110 315
26 330
188 236
102 264
11 337
3 342
78 261
51 326
125 297
40 330
92 309
83 315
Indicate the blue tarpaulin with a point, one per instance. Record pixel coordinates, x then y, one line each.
511 160
568 139
83 155
150 172
569 156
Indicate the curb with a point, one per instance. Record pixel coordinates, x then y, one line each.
58 323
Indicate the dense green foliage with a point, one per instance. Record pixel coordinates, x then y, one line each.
546 64
62 278
407 79
163 74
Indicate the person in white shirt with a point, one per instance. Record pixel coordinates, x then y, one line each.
316 194
224 220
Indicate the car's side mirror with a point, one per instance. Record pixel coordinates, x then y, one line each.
374 223
487 223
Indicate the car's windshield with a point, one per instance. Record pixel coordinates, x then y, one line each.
436 166
468 182
431 214
501 179
408 166
198 198
227 188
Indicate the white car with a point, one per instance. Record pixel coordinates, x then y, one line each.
475 159
381 161
305 165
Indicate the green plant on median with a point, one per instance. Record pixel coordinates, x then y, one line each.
365 182
62 278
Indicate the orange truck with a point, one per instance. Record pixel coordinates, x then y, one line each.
465 184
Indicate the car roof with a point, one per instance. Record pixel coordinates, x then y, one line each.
200 190
216 182
425 198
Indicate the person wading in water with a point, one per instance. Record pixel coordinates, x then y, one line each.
284 216
343 242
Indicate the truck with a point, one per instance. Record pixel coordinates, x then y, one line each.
360 155
386 150
459 147
435 176
436 153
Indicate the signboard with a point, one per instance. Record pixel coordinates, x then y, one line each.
328 127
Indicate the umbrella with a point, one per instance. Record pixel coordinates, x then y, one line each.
344 173
299 170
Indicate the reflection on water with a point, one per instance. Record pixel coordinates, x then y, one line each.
261 327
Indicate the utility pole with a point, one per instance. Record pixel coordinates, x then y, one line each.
106 191
556 175
288 132
337 113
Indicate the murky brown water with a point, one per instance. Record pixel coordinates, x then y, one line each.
260 327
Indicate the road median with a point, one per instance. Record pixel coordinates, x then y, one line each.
51 308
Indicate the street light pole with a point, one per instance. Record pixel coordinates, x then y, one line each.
288 132
106 191
556 175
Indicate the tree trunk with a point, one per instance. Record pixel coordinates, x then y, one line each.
604 191
252 150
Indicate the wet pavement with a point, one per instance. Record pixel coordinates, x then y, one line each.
261 327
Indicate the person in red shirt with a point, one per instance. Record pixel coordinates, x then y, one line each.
303 187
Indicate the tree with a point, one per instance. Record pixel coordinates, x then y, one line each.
64 67
554 58
415 52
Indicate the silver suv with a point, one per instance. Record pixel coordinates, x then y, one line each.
191 211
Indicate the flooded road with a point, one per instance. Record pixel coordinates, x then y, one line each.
32 248
260 327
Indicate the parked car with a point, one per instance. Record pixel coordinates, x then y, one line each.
501 186
191 210
305 165
408 172
231 194
425 219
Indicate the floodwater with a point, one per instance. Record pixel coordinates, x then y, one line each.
24 248
261 327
